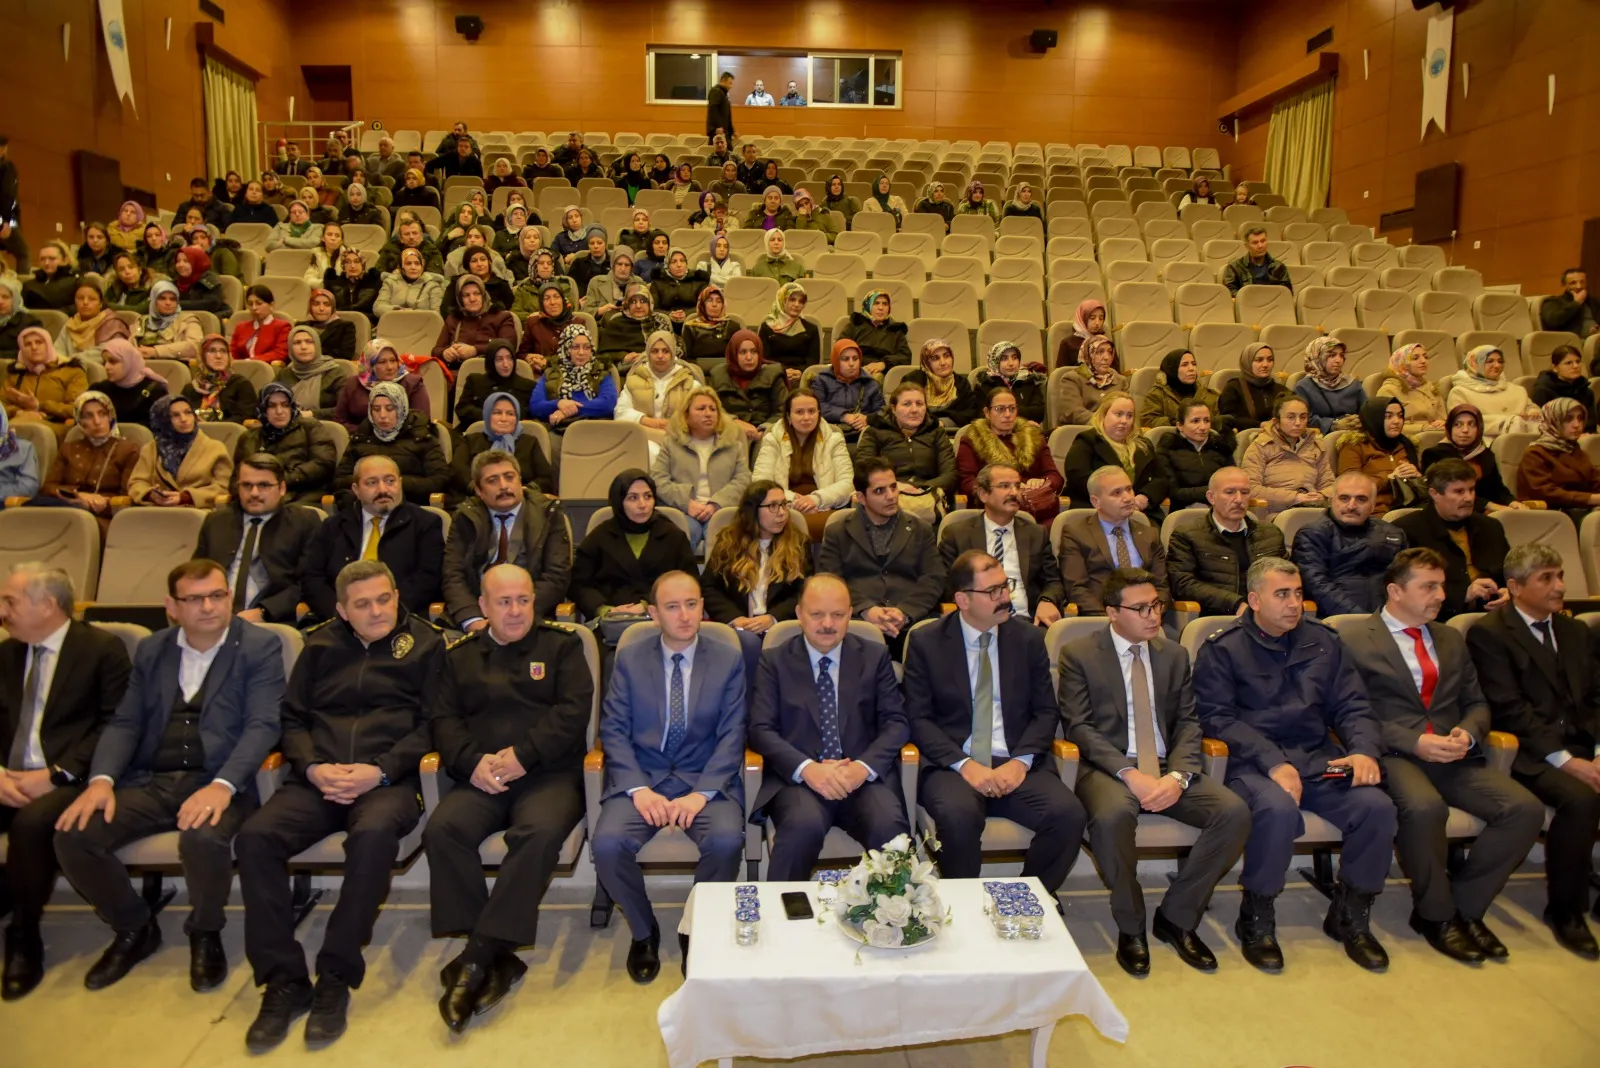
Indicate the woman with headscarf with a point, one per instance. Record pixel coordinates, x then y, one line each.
313 378
932 202
328 197
661 171
214 392
729 185
127 230
181 468
153 250
1085 384
94 465
950 397
14 315
40 384
1554 469
91 326
1088 321
358 209
1333 396
681 184
777 263
128 287
595 263
19 464
1382 451
265 334
94 255
296 231
541 332
654 389
336 335
619 559
973 202
1248 400
634 177
842 204
1288 465
380 363
1024 206
637 237
907 434
708 329
411 287
703 464
415 192
883 340
519 250
199 285
772 213
1199 194
787 337
1407 382
1464 441
1180 382
1113 439
502 373
393 429
1505 405
1003 367
1186 460
623 333
704 215
463 220
133 388
303 446
541 167
720 264
809 215
543 270
502 429
675 289
652 262
353 287
848 397
1564 378
881 199
575 386
501 174
750 386
573 237
273 191
476 321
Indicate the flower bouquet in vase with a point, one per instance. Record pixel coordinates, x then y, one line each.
891 898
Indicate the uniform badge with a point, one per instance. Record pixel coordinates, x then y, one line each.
536 670
403 644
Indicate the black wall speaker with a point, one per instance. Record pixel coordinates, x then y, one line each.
1042 40
469 26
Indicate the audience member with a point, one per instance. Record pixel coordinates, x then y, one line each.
575 386
550 313
40 384
132 387
472 324
1481 383
214 391
1022 547
501 374
1247 400
656 388
129 285
1554 469
1113 438
90 326
1287 464
260 540
1086 383
771 214
787 337
1333 397
1184 462
181 467
19 464
1001 438
674 288
749 386
1256 267
410 287
840 203
1472 545
127 229
1464 441
703 463
950 397
1382 451
1199 193
882 200
336 335
777 263
909 438
847 396
808 215
377 525
720 263
380 364
168 333
1178 383
1407 382
96 464
973 202
264 335
409 234
314 379
882 339
1574 309
1089 320
505 522
625 332
806 457
394 429
1208 560
1023 205
302 446
297 230
14 317
1003 369
1564 378
755 568
1096 541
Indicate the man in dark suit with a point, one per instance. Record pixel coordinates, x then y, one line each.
828 720
510 713
888 559
292 163
719 109
381 525
984 715
673 731
1541 675
1434 723
1093 544
506 523
180 754
1473 545
1128 704
260 542
49 723
1209 557
1345 555
1022 546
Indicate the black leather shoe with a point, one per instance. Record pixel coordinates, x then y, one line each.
644 957
1573 934
125 950
460 1001
1133 953
507 972
330 1010
281 1006
1448 937
208 964
1483 938
1257 931
1193 952
1348 921
24 964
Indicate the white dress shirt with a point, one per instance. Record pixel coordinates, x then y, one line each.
835 658
193 667
1560 756
998 749
1408 647
1124 650
41 658
256 580
1010 560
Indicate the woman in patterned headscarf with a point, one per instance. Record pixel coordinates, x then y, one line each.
950 397
1003 367
1553 469
379 363
181 467
405 436
1333 396
1482 384
1407 382
214 391
576 387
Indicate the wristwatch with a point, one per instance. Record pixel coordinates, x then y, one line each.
60 776
383 778
1184 778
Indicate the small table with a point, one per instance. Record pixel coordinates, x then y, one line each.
806 988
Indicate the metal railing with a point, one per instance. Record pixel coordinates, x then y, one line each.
312 137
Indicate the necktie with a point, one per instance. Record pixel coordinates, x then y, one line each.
1543 627
828 704
370 550
504 554
30 697
1123 559
247 559
677 718
1144 723
983 706
1430 670
1000 544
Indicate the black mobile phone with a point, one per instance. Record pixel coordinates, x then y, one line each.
1338 771
797 906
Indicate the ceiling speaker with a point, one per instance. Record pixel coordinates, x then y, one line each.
469 26
1042 40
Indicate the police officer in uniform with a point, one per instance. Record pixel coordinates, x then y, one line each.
354 733
509 718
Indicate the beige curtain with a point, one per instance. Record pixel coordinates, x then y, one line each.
1300 147
230 100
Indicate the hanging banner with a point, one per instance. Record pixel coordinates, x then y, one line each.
1436 70
117 50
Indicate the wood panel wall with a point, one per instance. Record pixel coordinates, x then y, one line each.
1528 178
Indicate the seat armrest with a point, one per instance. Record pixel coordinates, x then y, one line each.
436 610
567 612
1070 611
436 500
431 773
1500 749
594 780
1066 758
17 502
1214 758
1186 606
1538 506
270 776
117 504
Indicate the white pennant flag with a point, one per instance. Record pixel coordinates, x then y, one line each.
116 35
1436 70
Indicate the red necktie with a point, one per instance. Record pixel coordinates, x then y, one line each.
1430 670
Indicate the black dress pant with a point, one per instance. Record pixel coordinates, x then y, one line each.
1569 843
89 857
29 873
296 818
873 814
537 813
1042 804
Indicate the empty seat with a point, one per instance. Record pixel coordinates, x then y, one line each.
1325 307
1118 271
1408 279
750 299
966 245
1117 226
1181 273
1074 269
1217 345
1167 250
1080 248
1142 344
1324 254
826 300
1450 312
1298 233
1378 255
410 331
964 268
1218 254
1261 306
1212 230
1502 311
1463 280
868 246
1355 279
1201 302
1537 345
594 451
1389 310
906 269
142 545
923 246
68 538
1123 248
1428 259
1022 301
1017 245
950 298
1017 269
841 267
1026 336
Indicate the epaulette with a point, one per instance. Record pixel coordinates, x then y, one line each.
467 637
564 628
1219 632
426 622
318 626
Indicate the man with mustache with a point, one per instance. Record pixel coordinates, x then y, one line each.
828 719
506 523
1022 547
380 525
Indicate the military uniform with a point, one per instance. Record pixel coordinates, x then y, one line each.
347 703
535 695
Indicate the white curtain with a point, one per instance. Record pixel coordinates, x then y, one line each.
1300 147
230 100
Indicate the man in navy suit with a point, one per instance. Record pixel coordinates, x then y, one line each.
828 720
180 754
984 714
672 730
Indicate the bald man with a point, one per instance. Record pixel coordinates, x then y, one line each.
510 716
828 719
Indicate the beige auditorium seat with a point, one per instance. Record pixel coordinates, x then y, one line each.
226 433
68 538
1142 344
1019 300
841 267
750 299
876 222
142 545
252 237
1289 342
1450 312
1140 302
291 294
42 436
955 331
594 451
953 267
1325 308
1365 350
1493 310
826 300
1408 279
908 270
1389 310
1201 302
1262 306
948 298
411 331
1553 528
1217 346
1119 271
1428 259
1024 335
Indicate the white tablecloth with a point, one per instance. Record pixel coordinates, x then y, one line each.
807 989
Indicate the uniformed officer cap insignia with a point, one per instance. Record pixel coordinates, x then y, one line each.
403 644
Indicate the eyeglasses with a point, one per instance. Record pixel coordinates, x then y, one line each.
1003 589
215 597
774 507
1003 409
1144 611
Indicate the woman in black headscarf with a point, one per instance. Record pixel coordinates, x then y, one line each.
303 446
1381 451
1247 401
500 374
1163 405
1464 441
619 559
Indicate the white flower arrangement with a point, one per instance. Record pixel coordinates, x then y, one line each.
892 897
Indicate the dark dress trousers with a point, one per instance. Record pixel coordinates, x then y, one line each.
1551 703
281 545
1041 575
533 695
89 681
412 544
788 728
938 691
237 725
1094 715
